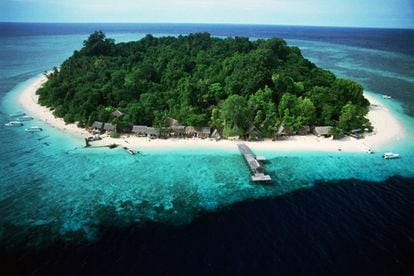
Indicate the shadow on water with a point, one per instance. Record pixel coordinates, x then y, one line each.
339 227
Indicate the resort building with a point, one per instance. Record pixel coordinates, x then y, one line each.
204 133
282 131
140 130
97 126
324 131
356 133
303 130
171 122
190 131
215 135
145 131
153 132
177 131
117 113
109 127
253 134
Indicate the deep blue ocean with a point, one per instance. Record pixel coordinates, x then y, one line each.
67 210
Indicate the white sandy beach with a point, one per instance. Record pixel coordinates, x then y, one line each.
387 129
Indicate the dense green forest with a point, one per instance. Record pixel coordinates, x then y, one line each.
228 84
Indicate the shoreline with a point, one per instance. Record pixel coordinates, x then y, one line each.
387 129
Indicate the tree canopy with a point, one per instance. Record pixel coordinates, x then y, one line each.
201 80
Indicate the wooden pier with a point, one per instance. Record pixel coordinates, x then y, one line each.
255 164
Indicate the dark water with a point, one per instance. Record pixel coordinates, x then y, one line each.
396 40
335 228
340 227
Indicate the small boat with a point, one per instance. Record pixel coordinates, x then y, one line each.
390 155
17 114
386 97
33 129
94 138
14 124
130 151
25 118
369 151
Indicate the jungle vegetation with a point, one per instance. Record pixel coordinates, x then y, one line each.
200 80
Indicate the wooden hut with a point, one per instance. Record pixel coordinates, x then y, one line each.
282 131
109 127
303 130
204 132
177 130
215 135
356 133
322 131
153 132
171 122
190 131
252 133
117 113
140 130
97 126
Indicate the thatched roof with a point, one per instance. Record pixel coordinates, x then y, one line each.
171 122
109 127
139 129
117 113
206 130
322 130
190 130
216 134
177 128
282 130
97 125
252 130
303 130
153 131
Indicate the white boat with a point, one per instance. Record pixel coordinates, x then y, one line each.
25 118
14 124
386 97
17 114
130 151
390 155
33 129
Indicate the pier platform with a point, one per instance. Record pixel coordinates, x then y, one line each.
255 164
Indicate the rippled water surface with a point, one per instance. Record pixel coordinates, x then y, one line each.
327 211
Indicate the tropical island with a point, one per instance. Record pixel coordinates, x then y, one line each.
238 87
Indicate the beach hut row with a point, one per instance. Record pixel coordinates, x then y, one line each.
188 131
177 130
174 130
99 126
203 132
283 131
145 131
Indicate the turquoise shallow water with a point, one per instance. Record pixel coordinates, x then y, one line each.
53 187
52 181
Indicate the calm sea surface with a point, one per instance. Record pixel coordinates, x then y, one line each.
67 209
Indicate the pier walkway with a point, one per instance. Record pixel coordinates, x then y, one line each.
255 164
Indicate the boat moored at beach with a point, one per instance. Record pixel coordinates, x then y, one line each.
17 114
14 124
25 118
390 155
369 151
33 129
